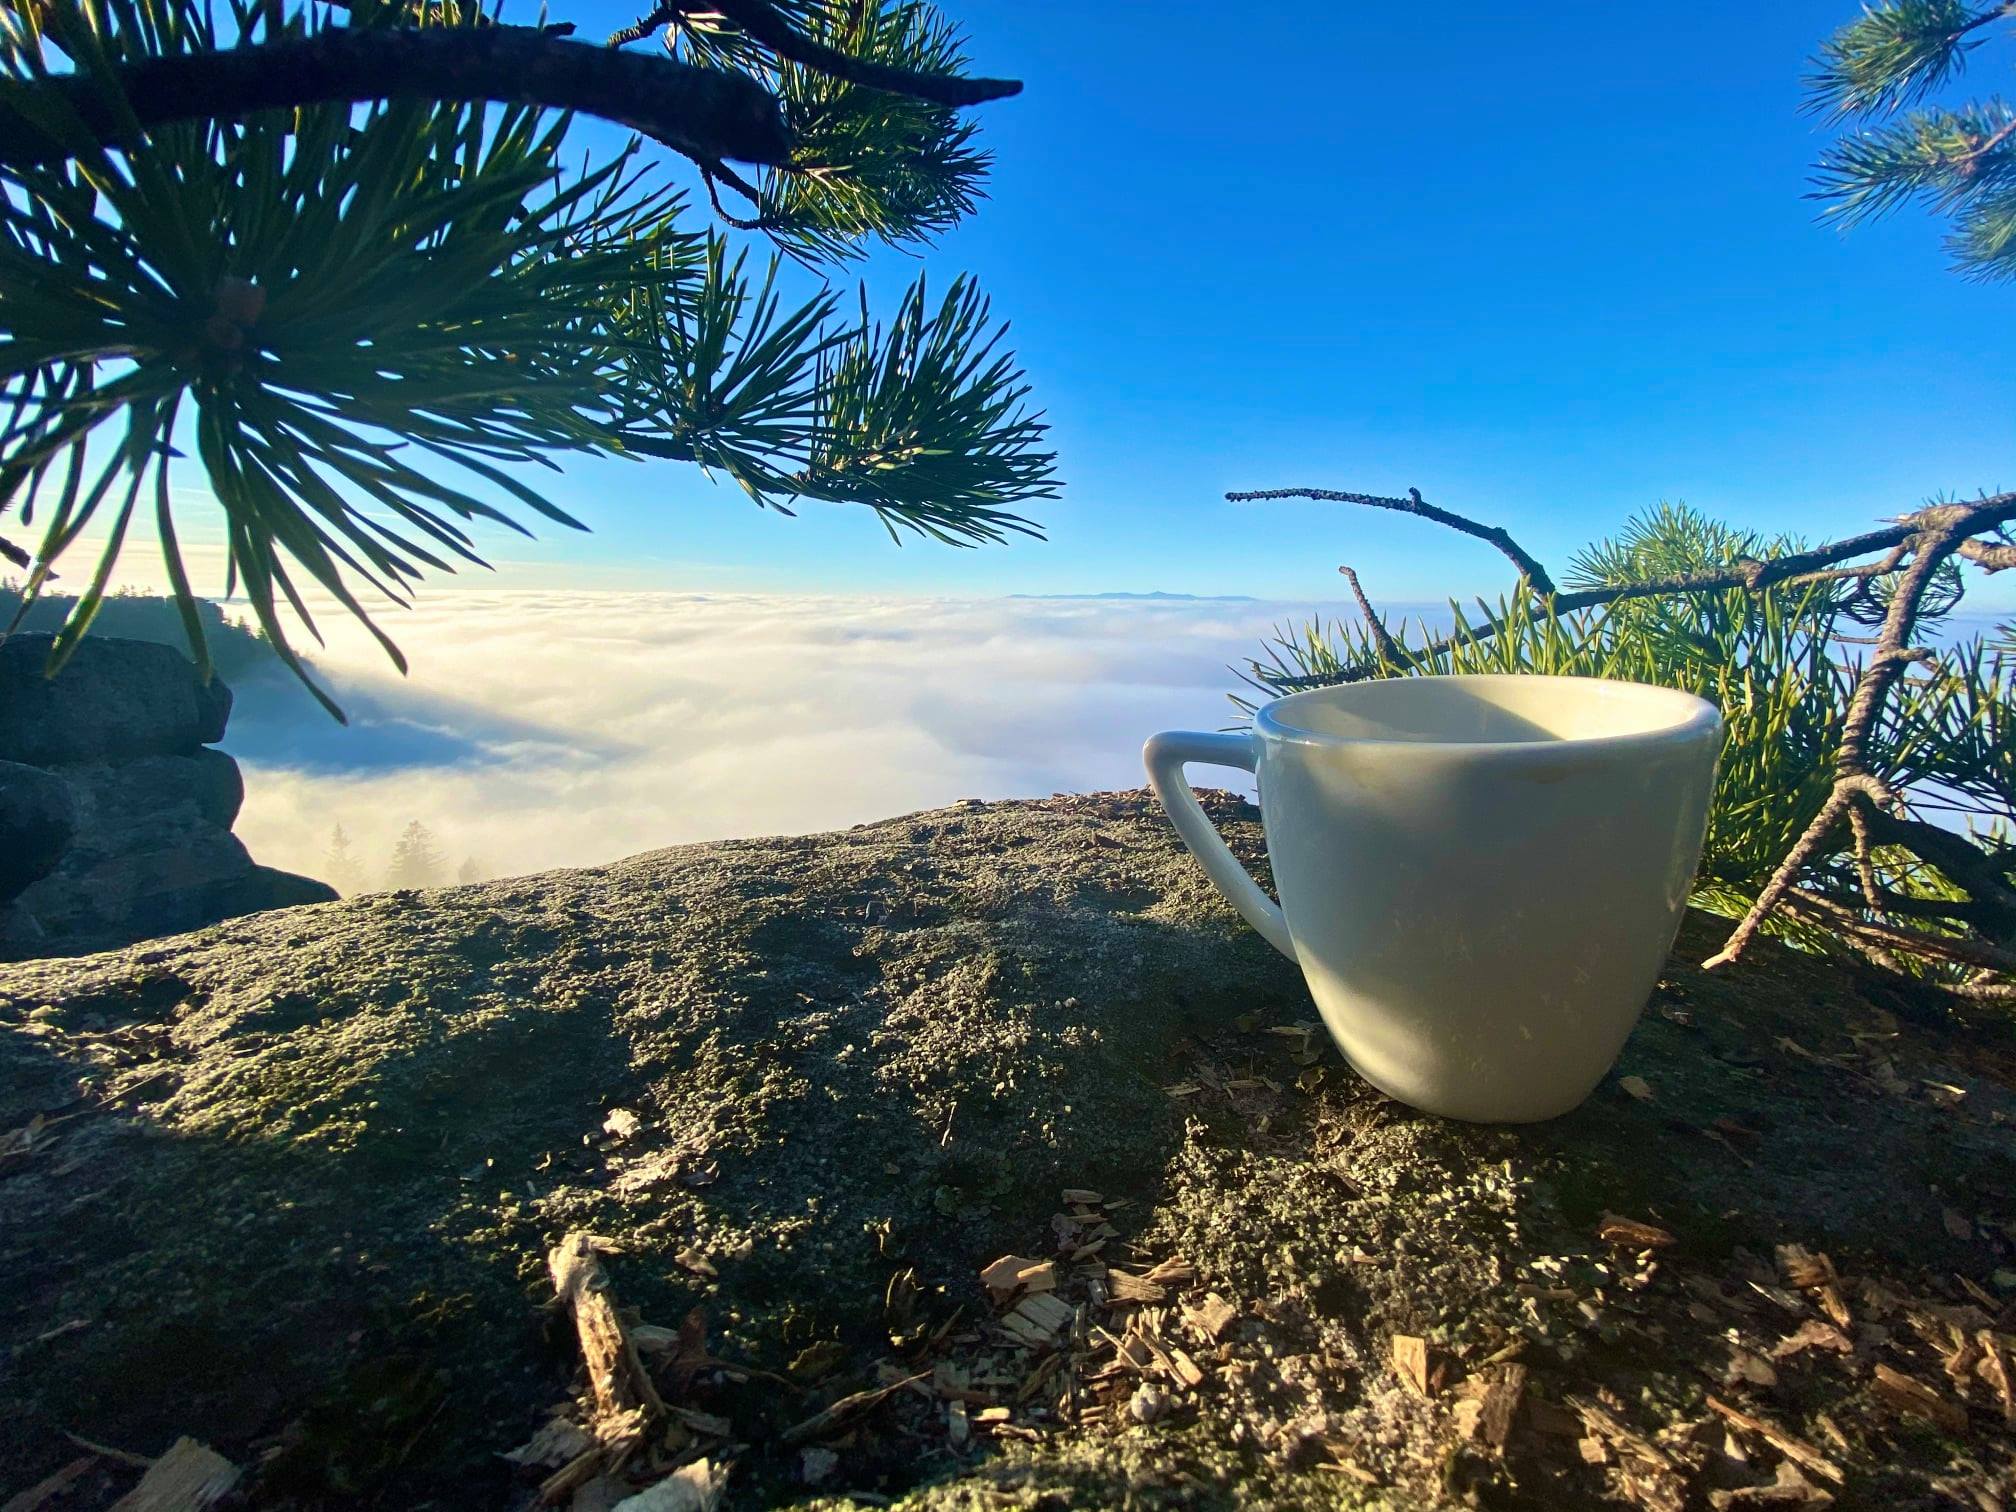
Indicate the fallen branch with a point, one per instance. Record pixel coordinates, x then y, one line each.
616 1376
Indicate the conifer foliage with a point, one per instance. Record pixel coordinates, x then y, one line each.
334 264
1886 76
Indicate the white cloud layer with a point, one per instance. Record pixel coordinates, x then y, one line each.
549 729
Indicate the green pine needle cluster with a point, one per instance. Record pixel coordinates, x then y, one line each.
366 328
1782 666
1878 75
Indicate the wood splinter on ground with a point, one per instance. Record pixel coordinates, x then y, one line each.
616 1374
188 1478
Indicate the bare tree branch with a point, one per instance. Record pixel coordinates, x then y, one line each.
700 112
1388 647
1791 569
1953 948
1414 504
761 22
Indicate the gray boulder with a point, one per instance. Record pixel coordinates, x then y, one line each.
120 737
309 1167
114 700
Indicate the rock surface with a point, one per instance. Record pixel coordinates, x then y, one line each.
114 700
119 743
38 817
298 1175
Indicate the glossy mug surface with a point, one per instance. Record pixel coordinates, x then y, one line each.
1479 875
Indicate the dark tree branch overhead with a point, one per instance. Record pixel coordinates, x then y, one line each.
700 112
760 21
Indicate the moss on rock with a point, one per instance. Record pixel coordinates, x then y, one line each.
309 1163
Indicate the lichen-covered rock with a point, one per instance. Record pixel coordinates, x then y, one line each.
298 1174
119 735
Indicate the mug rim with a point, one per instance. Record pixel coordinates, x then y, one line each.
1695 717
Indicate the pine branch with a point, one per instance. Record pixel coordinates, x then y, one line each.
761 22
700 112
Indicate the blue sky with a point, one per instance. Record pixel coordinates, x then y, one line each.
1550 264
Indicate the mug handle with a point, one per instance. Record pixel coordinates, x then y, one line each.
1164 756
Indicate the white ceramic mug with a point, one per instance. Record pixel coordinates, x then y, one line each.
1480 876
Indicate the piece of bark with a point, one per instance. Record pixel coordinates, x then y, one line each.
837 1416
188 1478
616 1375
1907 1394
1630 1233
1498 1407
1804 1454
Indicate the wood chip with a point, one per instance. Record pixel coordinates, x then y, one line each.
1212 1317
1083 1196
1994 1369
1812 1334
1637 1086
1176 1273
188 1478
622 1122
1907 1394
1036 1319
1126 1287
1790 1489
690 1488
560 1440
1804 1454
1630 1233
1041 1277
1186 1369
1004 1277
1814 1274
1411 1363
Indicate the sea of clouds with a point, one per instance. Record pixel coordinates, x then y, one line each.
543 729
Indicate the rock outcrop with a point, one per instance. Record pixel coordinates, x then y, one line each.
297 1176
115 811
